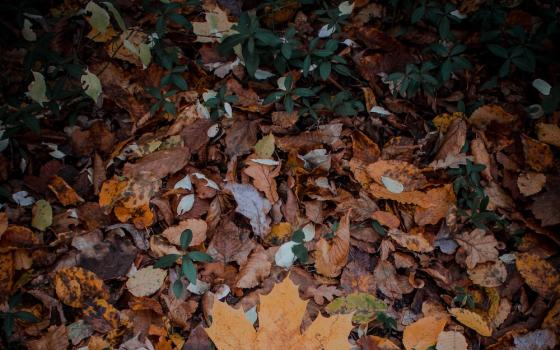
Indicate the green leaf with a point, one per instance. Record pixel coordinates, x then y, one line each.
91 85
189 270
498 50
180 19
179 82
504 69
99 18
273 97
177 288
166 261
288 104
268 38
200 257
252 62
42 215
342 70
378 228
417 14
365 307
325 70
286 51
304 92
186 238
301 253
37 90
31 122
298 236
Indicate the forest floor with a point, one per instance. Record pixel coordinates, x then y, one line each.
280 174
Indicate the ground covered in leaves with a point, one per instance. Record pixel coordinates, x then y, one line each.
279 175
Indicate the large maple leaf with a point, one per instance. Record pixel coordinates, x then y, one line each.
280 316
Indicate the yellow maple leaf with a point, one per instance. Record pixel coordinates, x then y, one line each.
280 316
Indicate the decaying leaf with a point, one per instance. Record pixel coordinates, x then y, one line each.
408 175
255 269
251 205
414 240
451 341
472 320
146 281
65 194
541 339
423 333
490 274
76 286
530 183
331 256
198 228
363 306
389 282
483 116
280 317
538 273
479 246
538 155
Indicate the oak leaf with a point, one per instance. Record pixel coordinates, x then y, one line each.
479 246
472 320
280 316
538 273
331 256
423 333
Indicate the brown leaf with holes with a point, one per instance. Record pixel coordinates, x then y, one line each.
331 256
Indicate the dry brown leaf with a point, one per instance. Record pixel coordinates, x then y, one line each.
389 282
118 50
160 163
103 316
423 333
538 155
263 179
111 192
55 339
331 256
502 313
538 273
280 316
488 114
451 341
454 140
441 199
146 281
472 320
386 218
414 241
322 293
326 134
530 183
76 286
285 119
552 319
479 246
407 174
7 272
197 226
65 194
412 197
481 156
229 244
255 269
549 133
373 342
364 152
490 274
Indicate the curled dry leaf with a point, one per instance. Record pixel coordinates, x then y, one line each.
331 256
253 206
76 286
414 240
453 141
423 333
389 282
479 246
538 273
280 316
451 341
472 320
146 281
197 226
255 269
490 274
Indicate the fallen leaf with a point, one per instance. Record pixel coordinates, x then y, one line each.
407 174
42 215
414 241
386 218
65 194
263 179
76 286
440 199
373 342
331 256
251 205
490 274
103 316
326 135
280 316
423 333
483 116
160 163
389 282
215 26
197 226
538 273
549 133
55 339
454 140
479 246
407 197
548 214
481 156
530 183
255 269
541 339
7 273
264 148
322 293
451 341
472 320
363 306
230 244
538 155
146 281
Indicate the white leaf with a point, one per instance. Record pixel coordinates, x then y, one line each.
37 90
91 85
325 31
542 86
99 18
379 110
208 94
213 130
222 291
228 109
199 288
209 183
23 198
185 183
263 74
251 314
284 256
282 83
458 14
202 110
350 43
392 185
265 161
345 8
27 31
253 206
185 204
309 232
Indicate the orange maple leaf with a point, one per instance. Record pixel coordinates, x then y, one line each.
280 316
